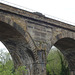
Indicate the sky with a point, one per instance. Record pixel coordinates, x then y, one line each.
63 10
2 47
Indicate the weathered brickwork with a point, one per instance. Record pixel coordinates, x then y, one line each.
30 36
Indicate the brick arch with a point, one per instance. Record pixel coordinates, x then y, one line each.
59 33
18 42
67 46
19 25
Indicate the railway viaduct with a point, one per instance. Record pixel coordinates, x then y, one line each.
29 37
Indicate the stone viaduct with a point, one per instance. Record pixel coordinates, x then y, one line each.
29 37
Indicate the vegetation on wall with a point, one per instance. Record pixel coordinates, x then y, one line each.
56 63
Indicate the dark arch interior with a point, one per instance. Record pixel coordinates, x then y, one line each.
65 43
17 46
6 31
67 47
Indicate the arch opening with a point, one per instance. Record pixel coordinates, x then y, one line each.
66 46
56 63
17 46
5 60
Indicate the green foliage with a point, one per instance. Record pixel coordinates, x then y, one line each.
64 65
56 64
21 70
7 66
8 69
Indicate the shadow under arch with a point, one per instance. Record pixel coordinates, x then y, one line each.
67 47
18 46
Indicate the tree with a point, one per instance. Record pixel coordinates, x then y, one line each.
21 70
64 65
56 64
7 66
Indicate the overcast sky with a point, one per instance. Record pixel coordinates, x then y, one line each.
63 10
